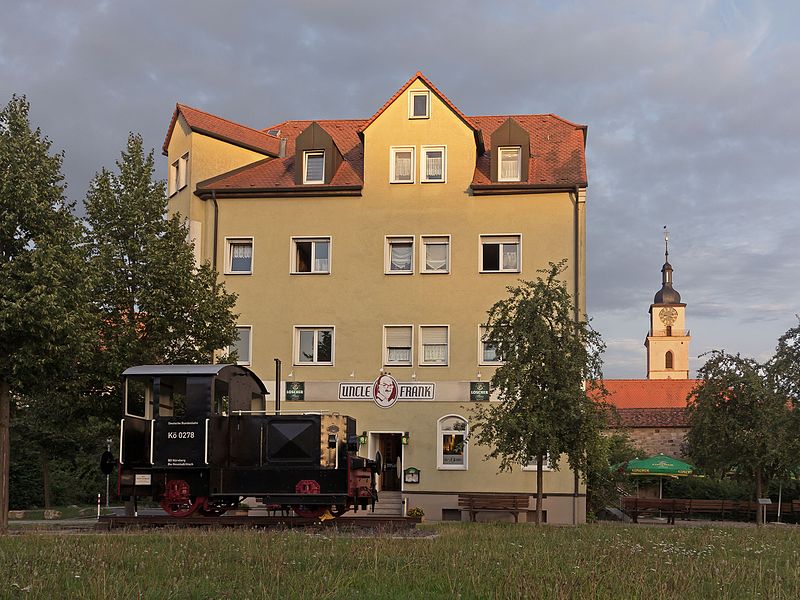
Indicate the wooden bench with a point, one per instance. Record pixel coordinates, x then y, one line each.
512 503
635 507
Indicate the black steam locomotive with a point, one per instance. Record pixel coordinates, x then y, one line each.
197 438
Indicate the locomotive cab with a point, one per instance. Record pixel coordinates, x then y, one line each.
198 437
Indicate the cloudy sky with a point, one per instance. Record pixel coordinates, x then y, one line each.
692 109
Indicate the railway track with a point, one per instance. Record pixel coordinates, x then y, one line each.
388 523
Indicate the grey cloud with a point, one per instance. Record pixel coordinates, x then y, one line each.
691 114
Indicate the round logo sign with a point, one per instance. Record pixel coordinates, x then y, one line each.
384 391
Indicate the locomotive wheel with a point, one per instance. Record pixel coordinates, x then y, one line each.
309 511
177 501
181 508
339 510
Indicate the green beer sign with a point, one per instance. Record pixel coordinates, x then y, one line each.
295 390
479 391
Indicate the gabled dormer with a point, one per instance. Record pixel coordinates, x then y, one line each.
316 156
510 152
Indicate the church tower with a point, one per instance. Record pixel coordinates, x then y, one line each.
667 342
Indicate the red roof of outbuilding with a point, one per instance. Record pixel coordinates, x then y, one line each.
223 129
649 393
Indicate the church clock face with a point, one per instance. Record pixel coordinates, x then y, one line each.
668 315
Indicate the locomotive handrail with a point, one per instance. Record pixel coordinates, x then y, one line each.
206 448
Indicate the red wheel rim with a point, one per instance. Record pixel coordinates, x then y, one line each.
309 512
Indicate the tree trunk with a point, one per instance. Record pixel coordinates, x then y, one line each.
45 478
759 491
539 480
5 451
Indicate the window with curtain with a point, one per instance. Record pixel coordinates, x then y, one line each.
509 165
437 254
500 253
311 255
433 158
398 344
402 165
433 343
240 256
400 255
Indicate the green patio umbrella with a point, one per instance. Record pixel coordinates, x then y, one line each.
659 466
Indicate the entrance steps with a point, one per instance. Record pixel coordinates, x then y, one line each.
388 504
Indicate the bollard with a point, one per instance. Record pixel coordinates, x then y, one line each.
98 506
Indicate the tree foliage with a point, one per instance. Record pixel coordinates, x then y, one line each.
549 358
155 305
44 323
741 420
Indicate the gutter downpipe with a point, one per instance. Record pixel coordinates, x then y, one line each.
216 230
577 317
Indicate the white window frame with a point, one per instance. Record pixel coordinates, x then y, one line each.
433 240
296 346
313 239
183 171
229 243
249 360
502 150
498 238
306 154
423 163
387 253
386 361
421 346
392 152
172 179
481 343
411 95
547 465
440 445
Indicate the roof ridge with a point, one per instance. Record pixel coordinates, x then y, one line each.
200 110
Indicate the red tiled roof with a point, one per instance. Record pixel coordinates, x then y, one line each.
649 393
279 172
223 129
433 88
556 150
653 417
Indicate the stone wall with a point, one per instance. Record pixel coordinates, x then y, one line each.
659 440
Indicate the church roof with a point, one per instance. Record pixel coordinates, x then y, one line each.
649 393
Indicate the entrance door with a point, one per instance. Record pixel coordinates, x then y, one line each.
389 445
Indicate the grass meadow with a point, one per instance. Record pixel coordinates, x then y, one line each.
458 560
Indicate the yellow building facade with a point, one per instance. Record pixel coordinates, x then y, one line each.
365 254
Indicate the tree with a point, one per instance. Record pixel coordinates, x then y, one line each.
550 357
43 285
740 420
602 481
156 305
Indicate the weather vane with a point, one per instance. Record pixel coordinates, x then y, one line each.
666 241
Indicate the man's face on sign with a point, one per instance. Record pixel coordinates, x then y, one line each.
385 387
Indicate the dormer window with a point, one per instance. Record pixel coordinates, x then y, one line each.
419 104
510 163
314 166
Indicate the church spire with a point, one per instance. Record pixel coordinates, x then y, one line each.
667 294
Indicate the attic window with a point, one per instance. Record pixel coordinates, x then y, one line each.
314 166
275 132
509 164
419 104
